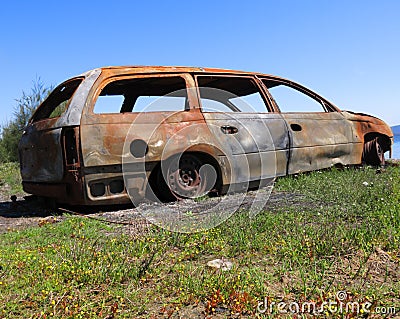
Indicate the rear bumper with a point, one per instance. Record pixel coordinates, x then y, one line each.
69 194
45 189
60 192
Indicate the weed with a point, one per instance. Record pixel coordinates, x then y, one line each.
10 179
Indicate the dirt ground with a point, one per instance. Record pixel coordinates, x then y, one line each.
27 211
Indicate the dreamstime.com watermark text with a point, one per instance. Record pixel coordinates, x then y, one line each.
341 305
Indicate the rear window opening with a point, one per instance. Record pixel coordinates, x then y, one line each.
143 95
58 100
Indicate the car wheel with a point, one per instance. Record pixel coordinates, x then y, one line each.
373 153
189 177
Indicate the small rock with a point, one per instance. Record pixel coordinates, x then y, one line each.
222 264
365 183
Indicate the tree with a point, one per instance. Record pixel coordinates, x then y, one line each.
12 131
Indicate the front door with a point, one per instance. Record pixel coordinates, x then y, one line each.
319 135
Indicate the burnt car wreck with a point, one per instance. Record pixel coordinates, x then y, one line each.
117 133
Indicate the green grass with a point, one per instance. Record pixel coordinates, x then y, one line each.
10 179
340 235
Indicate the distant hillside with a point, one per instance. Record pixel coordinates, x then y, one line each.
396 130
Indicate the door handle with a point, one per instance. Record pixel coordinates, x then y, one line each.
227 129
296 127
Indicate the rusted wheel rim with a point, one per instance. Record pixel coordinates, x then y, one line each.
373 153
380 154
184 179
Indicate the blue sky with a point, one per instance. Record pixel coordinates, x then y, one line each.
348 51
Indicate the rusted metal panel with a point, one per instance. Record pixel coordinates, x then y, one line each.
365 124
261 138
44 189
320 140
72 116
103 141
40 151
375 136
41 146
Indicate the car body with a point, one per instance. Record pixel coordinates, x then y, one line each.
75 145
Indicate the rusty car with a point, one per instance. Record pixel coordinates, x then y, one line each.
102 137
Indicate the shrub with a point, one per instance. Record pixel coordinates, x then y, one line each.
11 132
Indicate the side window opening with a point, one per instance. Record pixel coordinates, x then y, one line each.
109 103
230 94
58 101
290 100
143 95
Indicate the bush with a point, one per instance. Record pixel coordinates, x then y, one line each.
11 132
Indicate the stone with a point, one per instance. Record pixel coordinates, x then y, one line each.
222 264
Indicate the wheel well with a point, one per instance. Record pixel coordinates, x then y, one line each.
160 190
384 140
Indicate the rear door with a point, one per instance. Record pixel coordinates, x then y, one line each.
254 140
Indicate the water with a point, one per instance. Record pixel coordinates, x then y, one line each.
396 147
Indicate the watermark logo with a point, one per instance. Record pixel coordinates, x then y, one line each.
340 304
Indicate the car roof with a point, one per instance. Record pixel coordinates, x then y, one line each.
143 69
175 69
